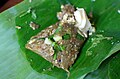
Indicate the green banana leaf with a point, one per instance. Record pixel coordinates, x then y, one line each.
109 69
16 62
113 68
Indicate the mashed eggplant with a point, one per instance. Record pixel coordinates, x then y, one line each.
60 42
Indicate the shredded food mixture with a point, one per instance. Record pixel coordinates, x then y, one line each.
60 43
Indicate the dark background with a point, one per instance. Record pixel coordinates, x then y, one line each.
2 2
5 4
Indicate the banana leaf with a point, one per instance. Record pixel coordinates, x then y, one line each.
109 69
16 62
113 68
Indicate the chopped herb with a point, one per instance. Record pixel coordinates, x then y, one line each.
53 44
66 36
56 48
51 36
78 36
58 29
25 13
29 10
55 56
34 15
62 47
